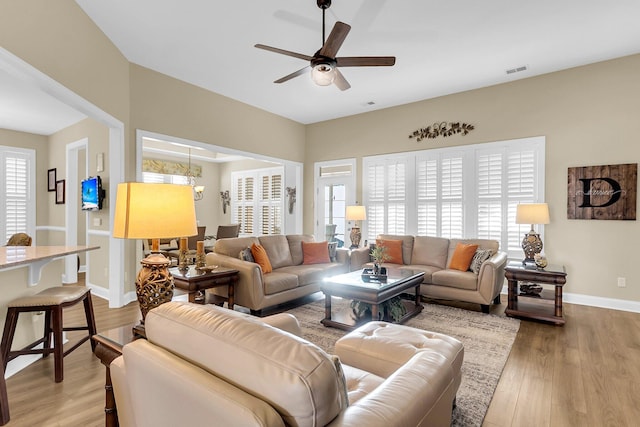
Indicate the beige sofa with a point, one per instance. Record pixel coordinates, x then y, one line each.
290 279
206 365
432 255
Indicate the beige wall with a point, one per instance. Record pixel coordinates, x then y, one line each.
589 116
168 106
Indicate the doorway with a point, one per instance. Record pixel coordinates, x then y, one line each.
334 191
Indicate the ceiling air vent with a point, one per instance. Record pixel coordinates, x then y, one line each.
517 69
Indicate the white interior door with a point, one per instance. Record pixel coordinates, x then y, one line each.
335 190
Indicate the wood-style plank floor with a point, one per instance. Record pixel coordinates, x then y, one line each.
586 373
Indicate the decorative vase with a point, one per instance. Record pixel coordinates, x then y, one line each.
540 260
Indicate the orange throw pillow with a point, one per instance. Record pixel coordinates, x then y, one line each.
260 256
394 250
315 253
462 256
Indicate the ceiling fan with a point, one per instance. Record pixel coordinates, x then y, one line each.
324 63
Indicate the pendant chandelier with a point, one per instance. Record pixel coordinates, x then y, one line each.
198 190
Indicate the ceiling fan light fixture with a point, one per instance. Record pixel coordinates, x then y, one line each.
323 74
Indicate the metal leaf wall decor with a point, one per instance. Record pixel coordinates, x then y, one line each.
443 129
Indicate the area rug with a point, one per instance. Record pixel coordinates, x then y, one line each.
487 341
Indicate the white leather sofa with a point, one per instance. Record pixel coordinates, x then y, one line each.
290 279
432 255
206 365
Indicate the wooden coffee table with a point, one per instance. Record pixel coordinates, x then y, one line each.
351 286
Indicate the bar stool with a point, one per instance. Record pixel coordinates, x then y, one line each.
51 301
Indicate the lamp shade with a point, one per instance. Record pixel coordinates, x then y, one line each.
154 211
532 213
356 213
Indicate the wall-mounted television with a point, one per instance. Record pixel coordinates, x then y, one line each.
92 194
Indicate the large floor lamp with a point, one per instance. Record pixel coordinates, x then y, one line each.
532 213
154 211
356 213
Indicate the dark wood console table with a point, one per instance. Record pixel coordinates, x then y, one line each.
547 306
197 281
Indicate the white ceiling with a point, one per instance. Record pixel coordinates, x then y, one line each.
442 47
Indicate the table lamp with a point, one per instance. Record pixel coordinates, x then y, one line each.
355 213
154 211
532 213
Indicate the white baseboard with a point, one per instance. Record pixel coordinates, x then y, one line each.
592 301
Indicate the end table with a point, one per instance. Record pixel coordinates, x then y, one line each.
546 306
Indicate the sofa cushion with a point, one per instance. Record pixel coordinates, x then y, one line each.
315 253
278 281
455 279
429 250
314 273
294 376
260 256
428 270
393 250
462 256
360 383
246 255
232 247
295 246
407 245
277 247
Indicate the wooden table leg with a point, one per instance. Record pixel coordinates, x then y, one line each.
374 312
512 294
558 301
231 292
327 307
110 413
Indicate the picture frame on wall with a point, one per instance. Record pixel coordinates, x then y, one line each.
51 175
60 192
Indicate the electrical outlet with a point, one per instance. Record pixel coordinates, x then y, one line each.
622 282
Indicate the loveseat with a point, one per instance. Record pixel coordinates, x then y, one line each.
206 365
291 277
433 256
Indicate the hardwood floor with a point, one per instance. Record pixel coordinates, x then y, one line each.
586 373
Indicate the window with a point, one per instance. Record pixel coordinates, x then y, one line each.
159 178
17 191
469 191
257 200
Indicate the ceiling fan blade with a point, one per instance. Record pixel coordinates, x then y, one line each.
335 39
366 61
340 81
284 52
292 75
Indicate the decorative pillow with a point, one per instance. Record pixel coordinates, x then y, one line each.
315 253
246 255
479 257
260 256
333 246
462 256
394 250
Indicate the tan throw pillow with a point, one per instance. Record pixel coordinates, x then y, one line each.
462 256
315 253
260 255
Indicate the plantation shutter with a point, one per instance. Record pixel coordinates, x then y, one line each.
386 197
242 203
490 191
521 188
451 210
271 204
257 200
427 197
17 190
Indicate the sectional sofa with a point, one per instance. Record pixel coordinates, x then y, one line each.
433 256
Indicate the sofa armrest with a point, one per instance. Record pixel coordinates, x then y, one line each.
249 290
491 276
359 257
394 403
343 256
284 321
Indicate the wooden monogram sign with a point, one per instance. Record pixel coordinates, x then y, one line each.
602 192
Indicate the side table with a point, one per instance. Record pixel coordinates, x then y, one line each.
546 306
196 281
108 347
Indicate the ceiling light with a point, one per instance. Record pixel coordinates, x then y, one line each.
323 74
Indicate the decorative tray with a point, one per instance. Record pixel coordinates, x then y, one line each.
369 276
